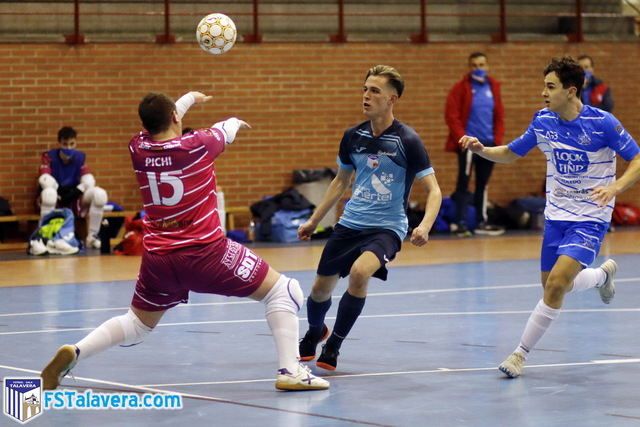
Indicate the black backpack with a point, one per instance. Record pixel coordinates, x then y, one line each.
5 207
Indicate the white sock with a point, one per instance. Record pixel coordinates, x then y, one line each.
95 220
537 325
588 278
285 329
126 329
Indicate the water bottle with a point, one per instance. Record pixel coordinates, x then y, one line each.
251 234
105 238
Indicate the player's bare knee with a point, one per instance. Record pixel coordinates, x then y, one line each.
556 287
285 295
358 277
134 330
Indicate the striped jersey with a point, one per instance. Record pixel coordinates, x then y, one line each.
178 185
385 168
581 155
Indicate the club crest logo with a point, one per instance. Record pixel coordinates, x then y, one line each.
373 161
22 398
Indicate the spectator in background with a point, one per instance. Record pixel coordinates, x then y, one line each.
65 181
595 92
474 107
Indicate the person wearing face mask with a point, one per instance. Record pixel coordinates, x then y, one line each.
65 181
474 107
595 92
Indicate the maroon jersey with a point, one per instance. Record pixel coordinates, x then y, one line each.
178 185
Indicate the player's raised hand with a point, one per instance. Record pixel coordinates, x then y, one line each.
201 97
306 230
419 236
243 124
603 195
470 143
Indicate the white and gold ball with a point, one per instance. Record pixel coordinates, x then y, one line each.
216 33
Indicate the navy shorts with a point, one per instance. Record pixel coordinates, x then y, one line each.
578 240
346 245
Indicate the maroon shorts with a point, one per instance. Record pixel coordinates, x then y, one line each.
223 268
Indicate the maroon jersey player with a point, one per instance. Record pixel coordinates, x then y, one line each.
185 248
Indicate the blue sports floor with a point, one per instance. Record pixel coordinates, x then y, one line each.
424 353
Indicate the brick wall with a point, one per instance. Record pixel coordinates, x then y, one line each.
299 98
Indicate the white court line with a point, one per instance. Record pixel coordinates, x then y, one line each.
365 316
370 295
150 387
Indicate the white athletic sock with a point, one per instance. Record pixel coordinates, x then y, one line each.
285 329
95 220
537 325
125 329
588 278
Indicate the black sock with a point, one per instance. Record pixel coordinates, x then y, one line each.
348 311
315 315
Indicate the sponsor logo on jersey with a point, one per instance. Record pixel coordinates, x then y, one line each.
570 162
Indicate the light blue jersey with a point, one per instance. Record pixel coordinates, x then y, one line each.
581 155
385 168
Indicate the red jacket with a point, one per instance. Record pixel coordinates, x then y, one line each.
458 108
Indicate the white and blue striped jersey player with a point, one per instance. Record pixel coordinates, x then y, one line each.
581 155
385 168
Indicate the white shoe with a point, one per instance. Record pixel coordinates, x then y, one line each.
61 247
513 365
37 247
93 242
608 288
303 379
64 360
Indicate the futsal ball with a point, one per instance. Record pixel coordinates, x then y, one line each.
216 33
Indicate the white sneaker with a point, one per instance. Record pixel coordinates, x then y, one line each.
93 242
64 360
513 365
37 247
303 379
61 247
608 288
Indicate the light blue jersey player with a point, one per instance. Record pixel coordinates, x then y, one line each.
580 144
385 168
386 157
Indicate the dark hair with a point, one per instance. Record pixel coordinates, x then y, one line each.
155 112
569 72
475 55
66 132
583 56
187 130
393 76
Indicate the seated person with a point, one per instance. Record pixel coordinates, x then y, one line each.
65 181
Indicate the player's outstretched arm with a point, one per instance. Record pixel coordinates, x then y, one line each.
230 128
336 189
187 100
603 195
420 234
500 154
